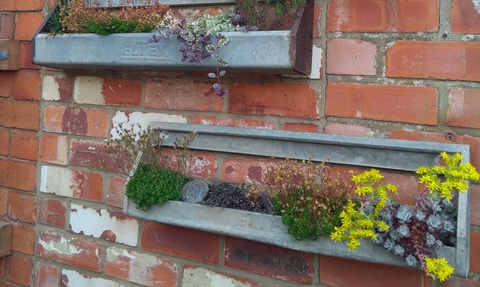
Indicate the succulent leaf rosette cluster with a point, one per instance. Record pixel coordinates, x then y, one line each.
412 232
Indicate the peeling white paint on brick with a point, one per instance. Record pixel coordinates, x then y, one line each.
75 279
196 277
50 89
56 180
88 90
81 219
141 121
61 247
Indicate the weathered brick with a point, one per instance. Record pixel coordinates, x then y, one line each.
22 207
473 142
26 5
281 99
465 17
20 114
268 260
351 57
71 183
79 252
474 251
406 104
181 242
129 119
25 61
4 141
72 278
338 272
57 87
46 275
300 127
76 120
317 14
462 111
241 169
6 84
437 60
115 92
25 145
474 204
89 153
19 175
7 25
181 95
345 129
53 149
194 275
27 25
52 212
140 268
18 269
23 238
109 225
382 16
4 194
229 122
116 191
23 91
202 164
460 282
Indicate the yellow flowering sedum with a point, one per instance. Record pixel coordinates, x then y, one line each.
438 268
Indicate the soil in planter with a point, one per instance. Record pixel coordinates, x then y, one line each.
229 195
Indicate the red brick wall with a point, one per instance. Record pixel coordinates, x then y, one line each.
405 69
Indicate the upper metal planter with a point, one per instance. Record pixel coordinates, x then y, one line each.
272 52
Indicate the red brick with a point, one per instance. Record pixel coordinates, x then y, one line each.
23 238
460 282
182 242
122 92
19 175
20 114
193 274
317 21
4 141
75 251
381 16
229 122
474 251
7 5
345 129
268 260
437 60
181 95
76 120
7 25
3 201
338 272
18 269
244 169
406 104
461 108
473 142
52 212
25 145
25 5
351 57
57 87
474 204
22 207
87 185
140 268
281 99
300 127
2 266
26 56
91 154
465 17
202 164
27 25
6 84
47 276
116 191
53 149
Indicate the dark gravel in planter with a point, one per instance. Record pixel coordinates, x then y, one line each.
229 195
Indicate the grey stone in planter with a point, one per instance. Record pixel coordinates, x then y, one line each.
277 52
359 151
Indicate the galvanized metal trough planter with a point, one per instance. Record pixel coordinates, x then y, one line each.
399 155
271 52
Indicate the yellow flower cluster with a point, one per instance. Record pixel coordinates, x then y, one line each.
454 176
438 268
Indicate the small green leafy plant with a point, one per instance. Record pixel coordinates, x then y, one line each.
307 196
159 172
